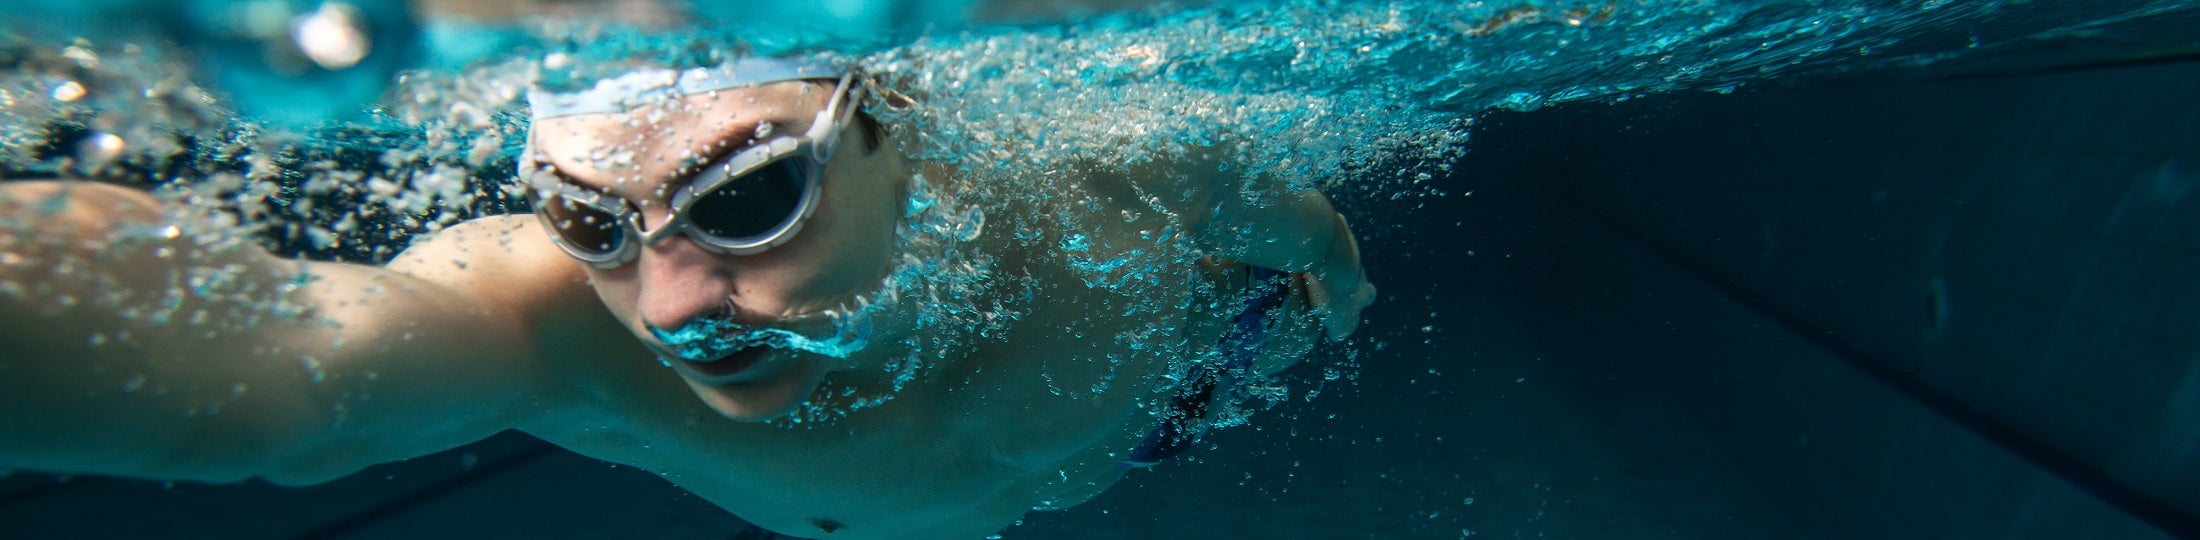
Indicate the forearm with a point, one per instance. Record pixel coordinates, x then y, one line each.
126 341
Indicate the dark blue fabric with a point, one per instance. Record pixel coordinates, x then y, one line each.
1244 343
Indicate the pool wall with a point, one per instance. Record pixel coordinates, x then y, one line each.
1996 274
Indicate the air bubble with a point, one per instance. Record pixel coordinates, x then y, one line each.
68 91
99 148
333 36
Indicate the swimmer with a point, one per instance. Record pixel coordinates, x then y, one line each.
733 223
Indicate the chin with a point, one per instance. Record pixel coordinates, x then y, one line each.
765 399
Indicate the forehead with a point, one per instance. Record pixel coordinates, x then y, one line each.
657 143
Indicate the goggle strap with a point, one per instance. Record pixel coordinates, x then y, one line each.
821 128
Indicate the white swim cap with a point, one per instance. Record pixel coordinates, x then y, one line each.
634 89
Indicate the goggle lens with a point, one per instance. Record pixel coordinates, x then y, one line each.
753 205
585 227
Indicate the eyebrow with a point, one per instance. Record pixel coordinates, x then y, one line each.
686 172
711 155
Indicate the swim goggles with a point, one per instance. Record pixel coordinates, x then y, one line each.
743 204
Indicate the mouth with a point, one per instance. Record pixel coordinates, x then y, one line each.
732 367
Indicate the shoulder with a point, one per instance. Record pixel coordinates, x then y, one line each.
1184 183
500 262
507 268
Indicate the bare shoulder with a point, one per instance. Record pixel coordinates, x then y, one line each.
501 262
1185 185
508 267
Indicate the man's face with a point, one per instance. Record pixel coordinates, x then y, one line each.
844 249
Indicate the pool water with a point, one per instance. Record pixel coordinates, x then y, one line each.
1686 269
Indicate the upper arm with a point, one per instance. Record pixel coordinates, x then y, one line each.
1292 230
1257 221
1265 223
503 263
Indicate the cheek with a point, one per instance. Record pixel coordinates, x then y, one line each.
848 241
618 290
867 215
870 204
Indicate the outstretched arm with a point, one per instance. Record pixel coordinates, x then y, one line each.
134 349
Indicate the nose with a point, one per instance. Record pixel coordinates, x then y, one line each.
680 283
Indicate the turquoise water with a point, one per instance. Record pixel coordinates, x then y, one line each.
1461 410
1316 93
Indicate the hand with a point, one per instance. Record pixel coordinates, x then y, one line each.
1341 312
1340 315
